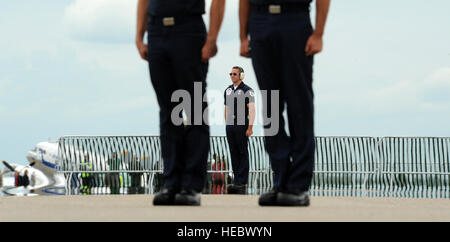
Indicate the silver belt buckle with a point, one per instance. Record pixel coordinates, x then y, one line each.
274 9
169 21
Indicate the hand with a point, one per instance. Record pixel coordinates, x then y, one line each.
249 132
314 45
209 50
143 49
245 48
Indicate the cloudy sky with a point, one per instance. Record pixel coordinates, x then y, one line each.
70 67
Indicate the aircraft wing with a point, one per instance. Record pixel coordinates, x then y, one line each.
7 165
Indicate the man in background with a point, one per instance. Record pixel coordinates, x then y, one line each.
239 115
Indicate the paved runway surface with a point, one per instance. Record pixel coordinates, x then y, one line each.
220 208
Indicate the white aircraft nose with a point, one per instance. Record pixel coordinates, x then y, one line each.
31 156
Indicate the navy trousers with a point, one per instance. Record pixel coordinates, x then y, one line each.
174 57
278 56
238 143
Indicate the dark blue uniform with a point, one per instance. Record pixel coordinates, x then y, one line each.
237 125
278 40
166 8
176 35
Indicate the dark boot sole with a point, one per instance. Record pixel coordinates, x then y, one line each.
184 201
289 200
161 202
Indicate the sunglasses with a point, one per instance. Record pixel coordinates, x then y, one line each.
233 74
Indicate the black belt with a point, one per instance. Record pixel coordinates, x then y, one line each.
280 8
173 20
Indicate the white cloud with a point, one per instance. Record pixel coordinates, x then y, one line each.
113 21
441 76
121 59
110 107
402 107
415 96
101 20
401 96
436 89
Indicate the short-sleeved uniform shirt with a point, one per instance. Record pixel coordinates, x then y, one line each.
233 95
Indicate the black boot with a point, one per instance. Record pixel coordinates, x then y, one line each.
293 198
269 198
165 197
188 197
236 188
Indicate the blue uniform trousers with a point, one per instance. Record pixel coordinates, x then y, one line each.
174 56
278 56
238 143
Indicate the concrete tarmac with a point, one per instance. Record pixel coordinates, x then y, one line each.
219 208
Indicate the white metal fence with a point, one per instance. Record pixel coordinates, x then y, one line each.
344 166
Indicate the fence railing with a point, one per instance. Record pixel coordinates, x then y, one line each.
344 166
